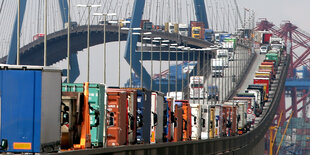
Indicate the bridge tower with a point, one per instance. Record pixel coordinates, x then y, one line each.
137 13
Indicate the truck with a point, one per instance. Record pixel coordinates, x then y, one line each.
217 67
143 116
266 37
204 121
196 86
177 121
263 81
183 29
229 123
209 35
168 122
222 54
229 45
196 121
215 119
157 108
73 24
197 29
170 27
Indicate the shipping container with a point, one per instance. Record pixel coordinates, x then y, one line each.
263 74
273 58
168 122
30 109
178 122
97 108
241 115
196 121
266 38
157 118
143 116
117 132
204 121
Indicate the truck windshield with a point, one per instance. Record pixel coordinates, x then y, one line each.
182 29
222 56
196 31
218 67
197 85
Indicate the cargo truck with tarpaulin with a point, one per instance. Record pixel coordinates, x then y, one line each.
143 116
117 120
258 98
30 109
157 113
196 121
97 99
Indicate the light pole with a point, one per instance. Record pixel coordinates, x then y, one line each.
68 43
88 34
158 40
185 49
141 55
130 31
104 43
45 31
119 47
169 64
18 33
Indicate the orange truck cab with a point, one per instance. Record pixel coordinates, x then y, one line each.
177 122
117 117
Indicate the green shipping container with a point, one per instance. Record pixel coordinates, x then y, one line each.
97 103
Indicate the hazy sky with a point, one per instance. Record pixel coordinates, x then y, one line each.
276 11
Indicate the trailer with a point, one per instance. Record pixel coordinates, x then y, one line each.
143 116
178 122
168 122
204 121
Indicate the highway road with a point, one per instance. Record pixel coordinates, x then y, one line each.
226 83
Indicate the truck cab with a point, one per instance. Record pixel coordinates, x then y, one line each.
196 32
217 67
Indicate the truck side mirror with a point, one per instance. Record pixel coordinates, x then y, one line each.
4 144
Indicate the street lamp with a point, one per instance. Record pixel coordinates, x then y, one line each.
88 33
119 47
130 31
141 55
104 43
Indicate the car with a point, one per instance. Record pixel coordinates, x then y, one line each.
263 49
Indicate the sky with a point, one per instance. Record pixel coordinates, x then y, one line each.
295 11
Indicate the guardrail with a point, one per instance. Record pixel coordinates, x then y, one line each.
242 144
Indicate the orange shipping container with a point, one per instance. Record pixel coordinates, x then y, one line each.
177 135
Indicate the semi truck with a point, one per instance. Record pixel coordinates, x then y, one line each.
196 86
222 54
197 29
217 67
183 29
